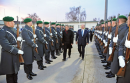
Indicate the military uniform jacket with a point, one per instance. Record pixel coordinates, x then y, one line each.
49 39
54 37
41 41
59 35
112 33
28 45
9 62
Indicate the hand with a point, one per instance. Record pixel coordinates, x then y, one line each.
20 52
62 43
76 42
44 35
86 43
36 45
110 50
19 39
34 36
71 44
121 61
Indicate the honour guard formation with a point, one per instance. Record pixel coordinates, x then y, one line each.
48 40
112 39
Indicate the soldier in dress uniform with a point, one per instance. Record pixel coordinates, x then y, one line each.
59 36
119 48
41 43
50 42
9 57
110 74
55 38
28 47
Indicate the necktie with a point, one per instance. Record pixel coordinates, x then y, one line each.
82 32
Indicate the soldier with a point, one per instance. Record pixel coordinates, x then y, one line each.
110 74
119 40
55 38
59 35
9 58
50 42
122 54
28 47
63 27
41 43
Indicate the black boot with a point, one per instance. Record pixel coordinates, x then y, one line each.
29 77
33 74
40 67
47 62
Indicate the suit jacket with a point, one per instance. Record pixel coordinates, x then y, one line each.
82 39
67 38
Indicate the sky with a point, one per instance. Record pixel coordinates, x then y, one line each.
55 10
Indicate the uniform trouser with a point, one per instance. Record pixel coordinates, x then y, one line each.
40 63
11 78
57 51
83 50
28 68
52 53
65 50
47 56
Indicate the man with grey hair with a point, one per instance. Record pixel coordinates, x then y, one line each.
81 37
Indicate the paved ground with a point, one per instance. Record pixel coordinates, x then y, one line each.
74 70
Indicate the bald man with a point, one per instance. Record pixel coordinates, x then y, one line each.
81 37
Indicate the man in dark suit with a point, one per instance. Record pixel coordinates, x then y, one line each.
67 41
81 36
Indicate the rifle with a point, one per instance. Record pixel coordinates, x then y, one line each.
56 34
50 35
18 43
44 37
34 38
60 31
105 51
121 72
106 32
110 59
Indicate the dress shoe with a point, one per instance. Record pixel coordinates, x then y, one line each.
107 68
33 74
100 53
104 61
63 59
69 56
53 57
47 62
40 67
44 66
108 72
110 75
104 65
50 60
29 77
82 58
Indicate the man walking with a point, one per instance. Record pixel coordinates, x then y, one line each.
81 37
67 41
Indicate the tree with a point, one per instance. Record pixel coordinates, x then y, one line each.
74 13
33 16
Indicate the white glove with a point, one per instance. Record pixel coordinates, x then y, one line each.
44 35
52 41
56 32
115 39
60 32
105 44
46 43
51 34
110 50
19 39
104 41
20 52
101 39
121 61
36 45
109 36
34 36
127 43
